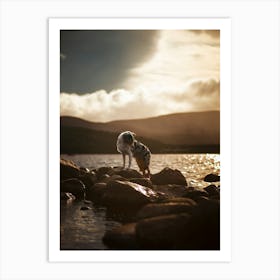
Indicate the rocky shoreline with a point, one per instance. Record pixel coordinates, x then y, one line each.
162 213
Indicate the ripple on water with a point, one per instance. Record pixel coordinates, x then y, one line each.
84 229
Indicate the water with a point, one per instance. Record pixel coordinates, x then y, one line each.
83 230
193 166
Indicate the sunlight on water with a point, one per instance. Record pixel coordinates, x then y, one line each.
194 166
85 229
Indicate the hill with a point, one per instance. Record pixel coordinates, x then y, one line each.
196 128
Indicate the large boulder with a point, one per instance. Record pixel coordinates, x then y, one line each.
170 190
161 232
212 190
128 173
74 186
169 176
104 170
126 194
122 237
212 178
88 178
109 178
194 193
142 181
166 208
68 169
203 230
96 192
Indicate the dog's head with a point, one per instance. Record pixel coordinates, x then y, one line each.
128 137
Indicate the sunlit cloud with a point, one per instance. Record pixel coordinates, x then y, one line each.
181 56
119 104
181 74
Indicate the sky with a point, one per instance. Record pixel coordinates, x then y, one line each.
108 75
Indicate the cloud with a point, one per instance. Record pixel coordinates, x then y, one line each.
102 106
181 56
100 59
212 33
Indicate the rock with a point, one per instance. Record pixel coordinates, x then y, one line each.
103 177
85 169
127 195
212 190
181 200
142 181
169 176
96 192
161 232
109 178
87 202
122 237
128 173
84 208
203 230
73 186
194 193
104 170
170 190
159 209
67 196
89 179
68 169
212 178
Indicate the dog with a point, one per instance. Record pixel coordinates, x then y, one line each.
142 155
124 145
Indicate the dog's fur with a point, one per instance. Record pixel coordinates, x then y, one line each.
124 145
142 155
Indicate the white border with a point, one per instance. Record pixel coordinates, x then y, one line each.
55 25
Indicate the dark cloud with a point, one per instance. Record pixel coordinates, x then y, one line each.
101 59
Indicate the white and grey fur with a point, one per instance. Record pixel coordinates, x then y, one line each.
124 145
142 155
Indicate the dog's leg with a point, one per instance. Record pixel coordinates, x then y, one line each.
149 174
129 158
123 156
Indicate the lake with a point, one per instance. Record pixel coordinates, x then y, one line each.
83 230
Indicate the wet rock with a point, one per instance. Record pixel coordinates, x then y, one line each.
169 176
142 181
160 209
194 193
96 192
104 170
212 178
89 179
68 169
73 186
67 196
129 173
87 202
85 169
161 232
212 190
84 208
122 237
170 190
181 200
109 178
200 199
203 230
127 194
